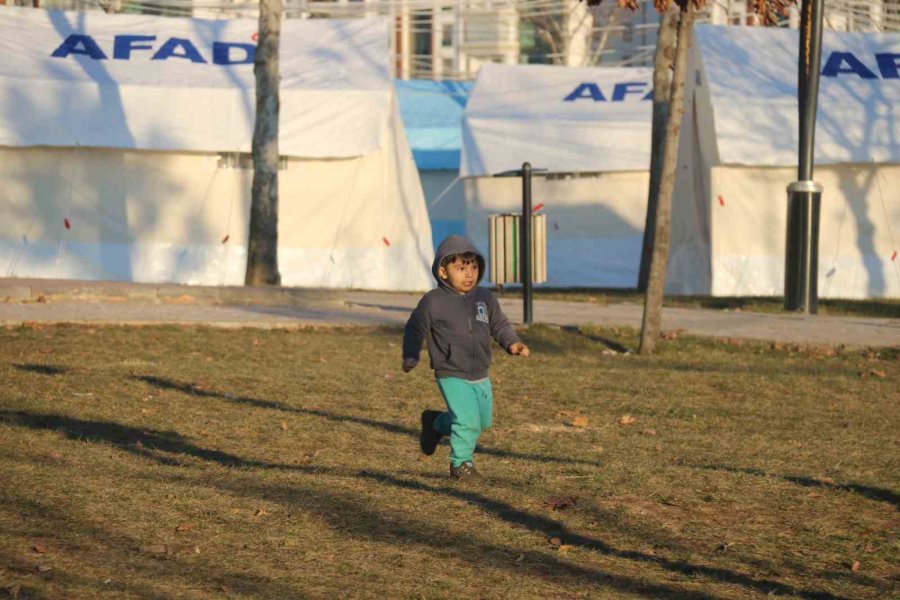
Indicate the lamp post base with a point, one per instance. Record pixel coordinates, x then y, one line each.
801 264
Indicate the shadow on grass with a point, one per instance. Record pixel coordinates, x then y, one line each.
138 441
359 518
175 571
609 343
42 369
873 493
187 388
553 528
127 438
23 573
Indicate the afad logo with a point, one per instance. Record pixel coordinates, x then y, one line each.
838 63
846 63
592 91
223 53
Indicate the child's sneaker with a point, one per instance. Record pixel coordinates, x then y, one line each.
465 471
428 437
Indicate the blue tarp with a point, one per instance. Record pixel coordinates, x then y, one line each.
432 114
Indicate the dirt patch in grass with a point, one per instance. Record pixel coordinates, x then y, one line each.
166 462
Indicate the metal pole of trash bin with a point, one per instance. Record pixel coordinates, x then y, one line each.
525 245
804 196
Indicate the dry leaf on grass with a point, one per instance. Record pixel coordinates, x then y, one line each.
184 527
283 426
877 373
565 547
261 512
855 566
580 421
672 334
649 431
627 420
556 541
560 502
44 568
155 549
38 549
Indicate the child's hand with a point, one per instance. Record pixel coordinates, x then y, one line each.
409 364
520 349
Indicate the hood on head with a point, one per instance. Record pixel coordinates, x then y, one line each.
456 244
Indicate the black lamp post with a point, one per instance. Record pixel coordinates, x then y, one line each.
801 265
525 235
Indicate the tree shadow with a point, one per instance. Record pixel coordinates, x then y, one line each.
609 343
53 520
369 523
359 518
553 528
42 369
146 443
187 388
873 493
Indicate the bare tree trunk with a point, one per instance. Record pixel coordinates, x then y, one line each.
597 54
652 322
662 63
262 247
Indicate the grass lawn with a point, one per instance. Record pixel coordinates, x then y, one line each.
173 462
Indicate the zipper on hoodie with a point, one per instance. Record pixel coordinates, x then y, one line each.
471 338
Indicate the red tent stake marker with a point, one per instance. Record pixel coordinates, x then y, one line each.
67 224
386 241
721 201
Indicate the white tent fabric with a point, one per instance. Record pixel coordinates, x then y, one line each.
752 75
738 153
151 83
136 169
565 120
590 128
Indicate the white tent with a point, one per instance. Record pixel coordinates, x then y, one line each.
739 153
124 146
590 128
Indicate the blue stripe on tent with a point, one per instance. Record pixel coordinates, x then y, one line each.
442 229
432 114
437 159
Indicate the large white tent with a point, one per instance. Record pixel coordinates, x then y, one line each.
590 129
125 140
739 153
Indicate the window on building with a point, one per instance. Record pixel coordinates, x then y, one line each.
447 35
421 32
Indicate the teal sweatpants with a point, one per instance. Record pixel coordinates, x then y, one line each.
471 411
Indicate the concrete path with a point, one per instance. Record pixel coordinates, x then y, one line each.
141 304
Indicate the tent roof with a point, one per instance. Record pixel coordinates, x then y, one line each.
752 77
188 84
562 119
432 114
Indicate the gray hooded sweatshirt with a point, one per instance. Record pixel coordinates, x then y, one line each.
457 327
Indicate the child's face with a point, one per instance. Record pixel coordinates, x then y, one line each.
460 274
